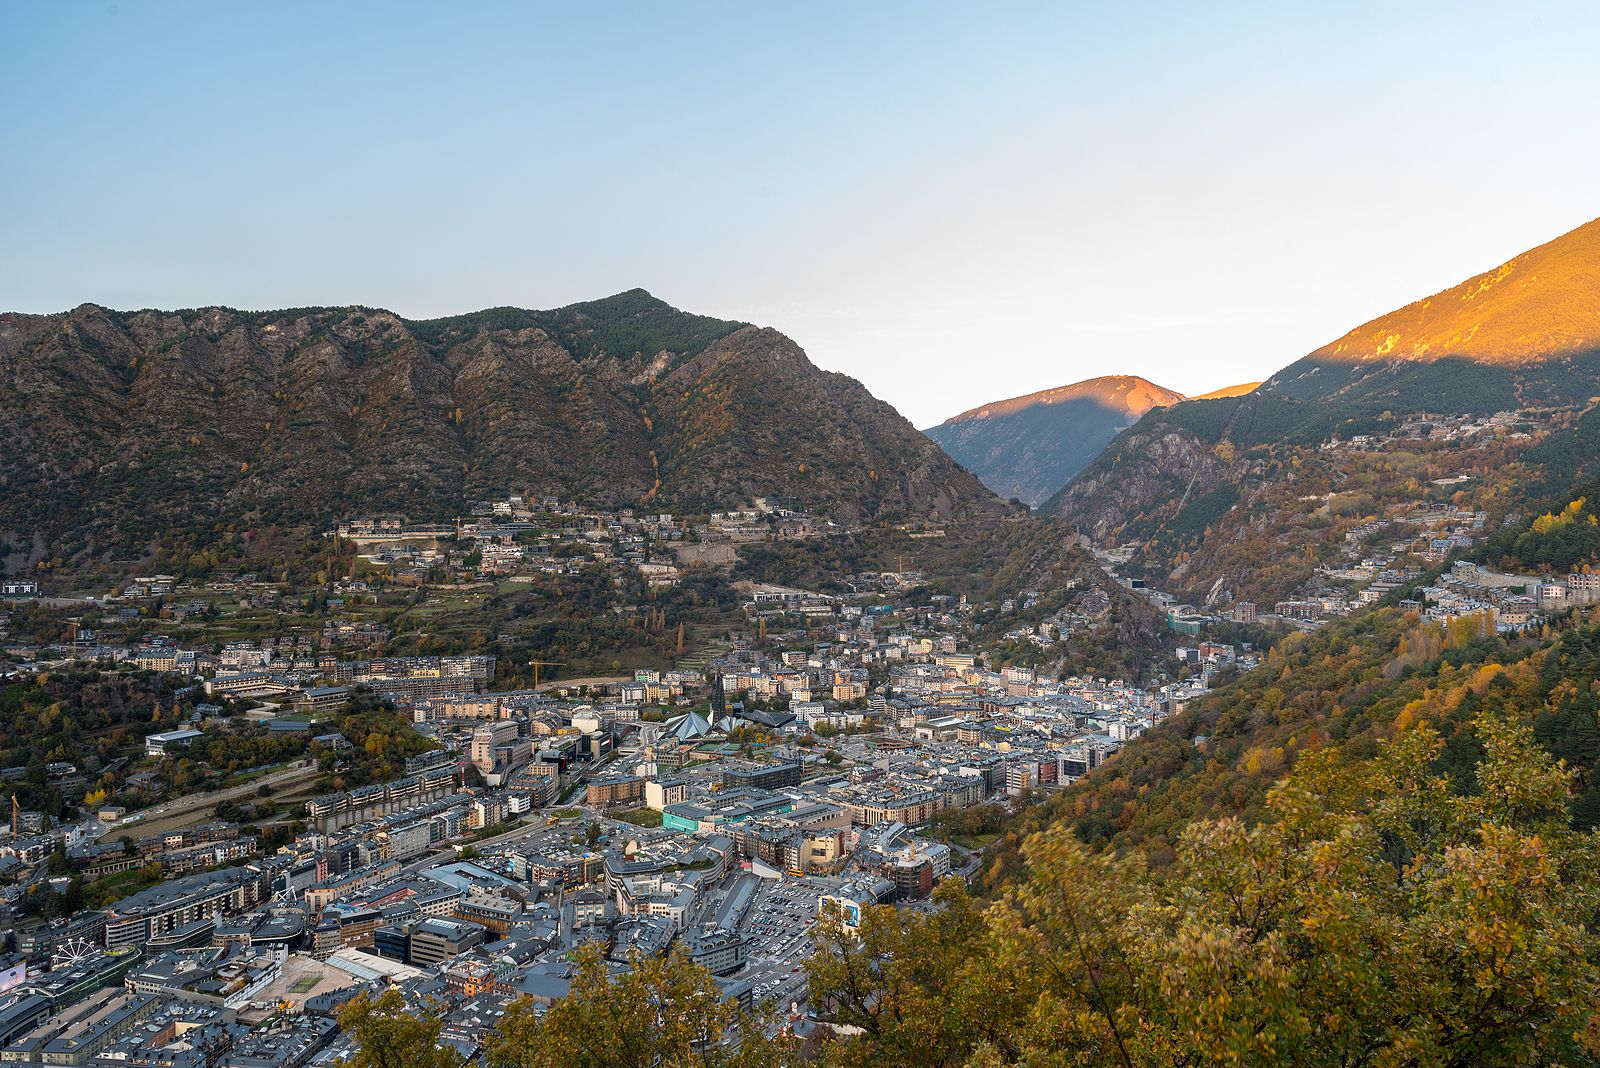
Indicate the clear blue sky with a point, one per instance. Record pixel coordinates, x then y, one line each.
951 203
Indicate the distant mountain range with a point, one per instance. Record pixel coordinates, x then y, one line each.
1028 447
124 428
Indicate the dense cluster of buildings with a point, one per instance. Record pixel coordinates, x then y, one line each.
719 810
806 767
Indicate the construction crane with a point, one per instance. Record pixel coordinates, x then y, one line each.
537 664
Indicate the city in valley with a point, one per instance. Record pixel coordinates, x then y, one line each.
297 817
284 820
1086 552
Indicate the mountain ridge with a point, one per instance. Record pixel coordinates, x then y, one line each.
1144 395
1538 304
1194 482
1238 390
133 429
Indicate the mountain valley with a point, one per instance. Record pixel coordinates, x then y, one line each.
1281 709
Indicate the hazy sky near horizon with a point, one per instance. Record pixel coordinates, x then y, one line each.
952 203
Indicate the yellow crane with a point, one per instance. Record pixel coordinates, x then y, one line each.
537 664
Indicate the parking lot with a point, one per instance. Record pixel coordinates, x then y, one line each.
778 930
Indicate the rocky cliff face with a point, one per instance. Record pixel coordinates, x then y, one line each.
1154 471
120 426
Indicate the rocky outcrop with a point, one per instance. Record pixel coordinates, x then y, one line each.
1146 478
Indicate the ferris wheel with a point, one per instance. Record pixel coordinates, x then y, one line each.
72 952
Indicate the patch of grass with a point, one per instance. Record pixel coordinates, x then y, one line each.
117 886
639 817
973 843
239 778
